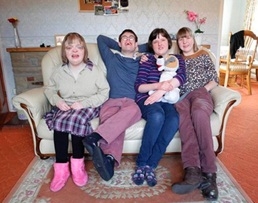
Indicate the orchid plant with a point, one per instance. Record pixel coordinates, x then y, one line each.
194 17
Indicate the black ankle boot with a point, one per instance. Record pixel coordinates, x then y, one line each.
209 186
192 181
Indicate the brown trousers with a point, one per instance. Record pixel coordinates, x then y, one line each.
195 130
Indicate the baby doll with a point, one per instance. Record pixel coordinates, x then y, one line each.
169 68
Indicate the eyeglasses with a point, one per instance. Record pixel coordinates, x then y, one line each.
125 38
78 47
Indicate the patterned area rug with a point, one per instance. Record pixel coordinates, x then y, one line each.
34 185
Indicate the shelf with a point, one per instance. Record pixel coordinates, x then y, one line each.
29 49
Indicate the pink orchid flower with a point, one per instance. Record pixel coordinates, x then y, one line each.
194 17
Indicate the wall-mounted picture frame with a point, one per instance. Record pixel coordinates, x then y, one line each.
59 39
99 10
110 10
89 5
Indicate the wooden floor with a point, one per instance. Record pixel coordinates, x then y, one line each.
239 155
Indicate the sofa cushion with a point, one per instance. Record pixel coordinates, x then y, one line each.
132 133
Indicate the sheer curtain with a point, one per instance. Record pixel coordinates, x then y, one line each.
251 22
250 18
254 24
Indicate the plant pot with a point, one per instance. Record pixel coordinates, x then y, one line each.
198 38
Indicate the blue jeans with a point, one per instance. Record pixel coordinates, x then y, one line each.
162 122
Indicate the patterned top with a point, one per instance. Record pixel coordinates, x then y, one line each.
148 73
200 70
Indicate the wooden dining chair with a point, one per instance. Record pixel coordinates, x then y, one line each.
240 57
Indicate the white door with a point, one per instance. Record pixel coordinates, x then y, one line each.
3 100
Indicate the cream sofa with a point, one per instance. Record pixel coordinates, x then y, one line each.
34 105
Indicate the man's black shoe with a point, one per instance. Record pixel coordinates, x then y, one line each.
104 164
91 141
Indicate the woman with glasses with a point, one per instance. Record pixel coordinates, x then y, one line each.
76 90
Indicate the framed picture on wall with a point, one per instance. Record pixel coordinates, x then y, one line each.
110 10
89 5
99 10
59 39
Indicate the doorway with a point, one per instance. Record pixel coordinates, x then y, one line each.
3 99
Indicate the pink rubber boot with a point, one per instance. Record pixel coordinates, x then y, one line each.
61 175
79 174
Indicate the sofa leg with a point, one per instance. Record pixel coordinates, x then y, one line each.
44 157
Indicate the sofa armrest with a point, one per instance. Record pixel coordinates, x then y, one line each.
34 103
223 96
224 100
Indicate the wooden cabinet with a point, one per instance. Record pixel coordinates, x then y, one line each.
26 64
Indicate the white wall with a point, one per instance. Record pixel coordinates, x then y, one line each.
233 18
40 20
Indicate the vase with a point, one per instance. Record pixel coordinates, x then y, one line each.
198 38
17 41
